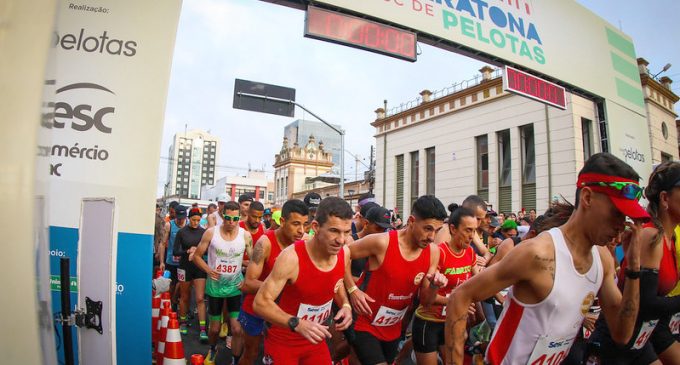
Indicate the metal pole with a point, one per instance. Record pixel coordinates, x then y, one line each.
66 309
340 132
341 187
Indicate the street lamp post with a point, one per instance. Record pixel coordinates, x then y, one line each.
341 192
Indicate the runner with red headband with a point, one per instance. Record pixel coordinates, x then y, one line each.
653 341
556 276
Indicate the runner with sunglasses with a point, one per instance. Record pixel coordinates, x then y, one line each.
653 341
556 276
226 245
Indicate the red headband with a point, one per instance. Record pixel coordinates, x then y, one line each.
628 207
593 177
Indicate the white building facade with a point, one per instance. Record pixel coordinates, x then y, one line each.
254 183
192 163
515 152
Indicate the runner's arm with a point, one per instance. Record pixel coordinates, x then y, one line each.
502 250
620 311
285 269
511 270
432 281
164 245
481 247
652 305
343 318
249 244
201 249
212 221
371 245
177 249
261 252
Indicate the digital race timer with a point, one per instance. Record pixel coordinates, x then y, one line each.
533 87
360 33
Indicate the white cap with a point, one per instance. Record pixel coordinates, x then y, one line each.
222 198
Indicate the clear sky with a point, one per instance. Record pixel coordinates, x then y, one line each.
221 40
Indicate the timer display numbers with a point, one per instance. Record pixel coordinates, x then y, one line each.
343 29
533 87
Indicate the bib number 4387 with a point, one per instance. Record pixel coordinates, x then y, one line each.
226 269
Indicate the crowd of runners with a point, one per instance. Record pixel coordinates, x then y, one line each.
316 281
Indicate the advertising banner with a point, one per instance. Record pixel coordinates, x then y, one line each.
560 39
112 61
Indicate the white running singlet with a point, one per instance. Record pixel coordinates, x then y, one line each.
542 333
225 257
218 218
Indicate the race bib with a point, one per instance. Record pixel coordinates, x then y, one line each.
227 268
388 317
315 313
181 275
645 331
550 351
675 324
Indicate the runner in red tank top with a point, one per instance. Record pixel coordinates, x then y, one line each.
399 264
265 252
306 278
457 261
253 224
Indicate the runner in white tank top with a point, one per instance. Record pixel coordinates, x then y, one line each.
556 276
544 332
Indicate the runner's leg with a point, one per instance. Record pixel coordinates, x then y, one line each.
234 305
185 294
252 336
199 291
671 356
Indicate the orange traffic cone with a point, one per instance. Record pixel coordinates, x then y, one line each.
197 359
165 317
155 317
174 350
165 297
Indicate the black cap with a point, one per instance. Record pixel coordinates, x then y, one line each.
379 216
173 204
245 198
180 211
312 200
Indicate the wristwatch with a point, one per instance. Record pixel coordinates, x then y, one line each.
293 323
630 274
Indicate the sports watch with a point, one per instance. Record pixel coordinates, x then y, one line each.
630 274
293 322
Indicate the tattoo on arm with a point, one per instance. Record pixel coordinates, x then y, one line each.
628 309
546 264
258 254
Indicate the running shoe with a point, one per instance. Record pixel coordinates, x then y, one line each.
203 337
210 358
224 330
183 329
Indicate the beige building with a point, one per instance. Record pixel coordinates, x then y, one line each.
352 189
476 138
295 164
660 105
